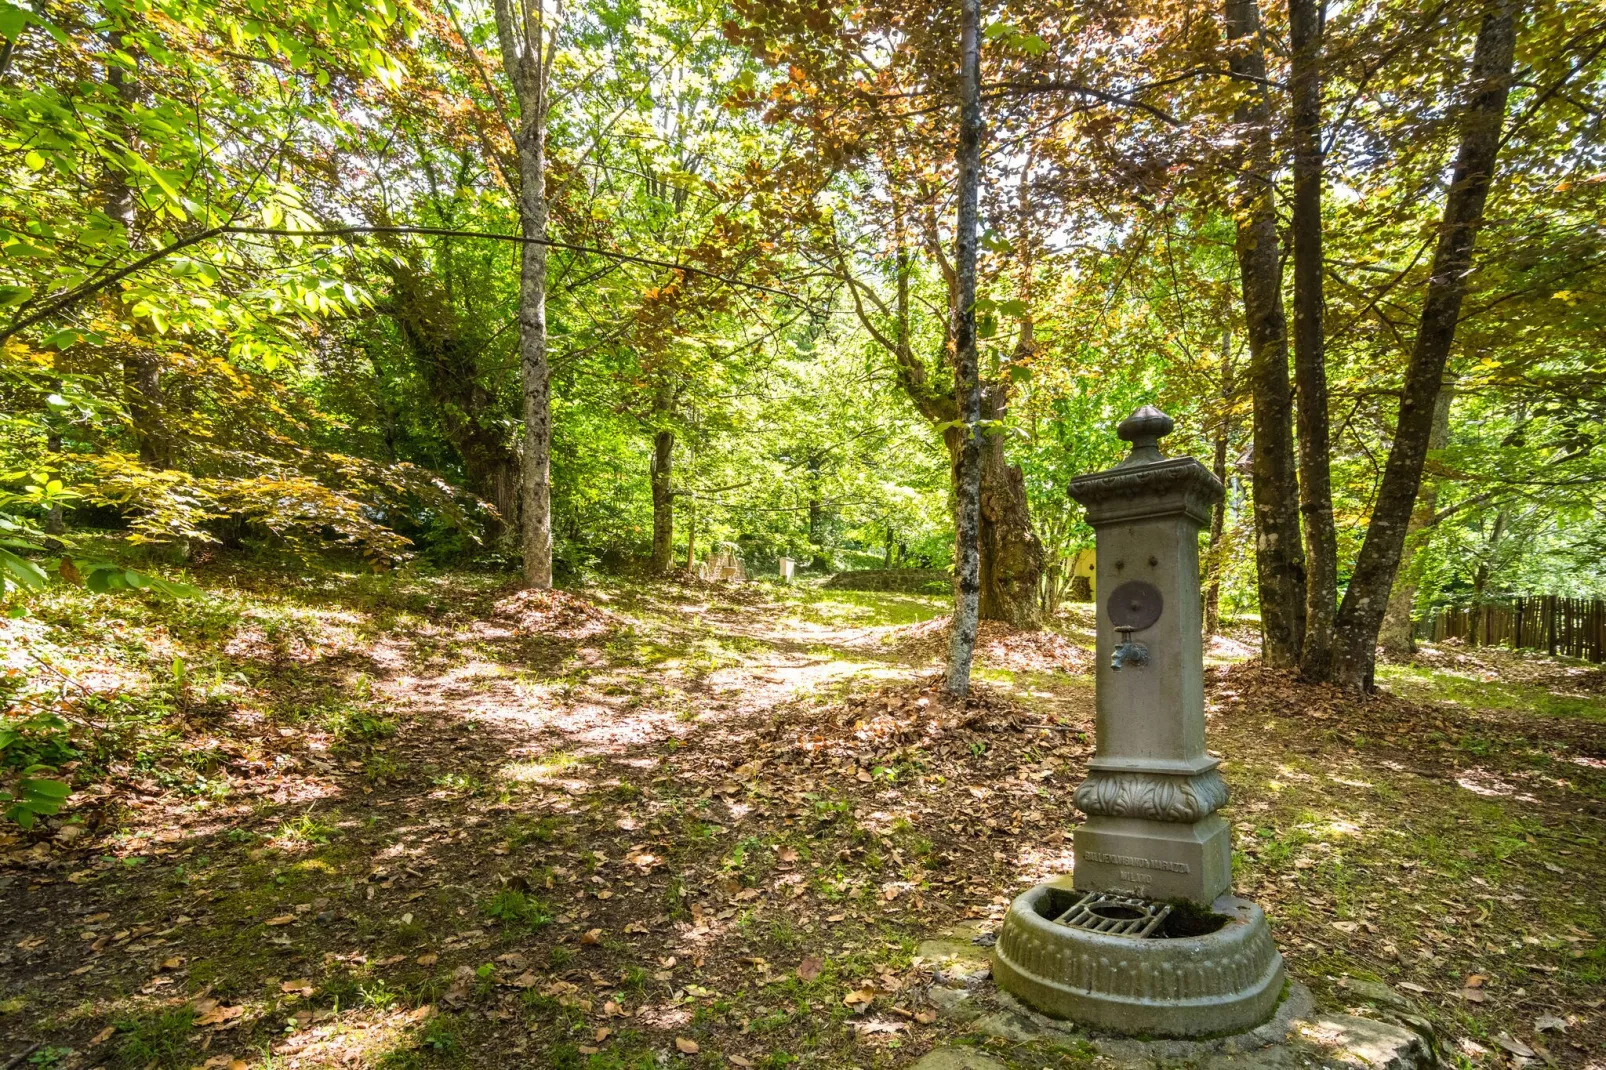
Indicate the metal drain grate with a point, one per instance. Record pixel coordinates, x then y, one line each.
1115 915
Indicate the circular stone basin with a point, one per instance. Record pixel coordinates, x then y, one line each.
1202 972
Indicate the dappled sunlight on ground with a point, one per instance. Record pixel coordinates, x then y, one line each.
424 824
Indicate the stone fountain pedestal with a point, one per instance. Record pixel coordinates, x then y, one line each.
1145 937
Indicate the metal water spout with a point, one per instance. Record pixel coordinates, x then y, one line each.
1128 653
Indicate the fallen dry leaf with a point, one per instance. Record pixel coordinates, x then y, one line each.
1514 1046
810 967
219 1015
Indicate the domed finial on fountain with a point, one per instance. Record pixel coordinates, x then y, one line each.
1144 429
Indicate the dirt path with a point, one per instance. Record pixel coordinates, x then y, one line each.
472 830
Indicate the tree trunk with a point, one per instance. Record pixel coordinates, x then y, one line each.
1011 553
1011 556
1366 599
1279 557
1011 564
142 370
691 532
1218 515
967 385
663 502
527 60
1398 634
537 497
446 353
1305 19
494 476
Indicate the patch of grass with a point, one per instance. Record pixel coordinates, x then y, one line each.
304 831
513 906
159 1040
458 783
868 608
1424 684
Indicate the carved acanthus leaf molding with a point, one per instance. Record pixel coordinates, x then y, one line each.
1183 799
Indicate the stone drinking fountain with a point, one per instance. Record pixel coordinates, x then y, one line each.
1146 937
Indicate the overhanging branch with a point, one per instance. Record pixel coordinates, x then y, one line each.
95 286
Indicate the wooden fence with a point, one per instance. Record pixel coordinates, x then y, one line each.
1575 627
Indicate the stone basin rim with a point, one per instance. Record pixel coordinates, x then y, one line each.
1223 982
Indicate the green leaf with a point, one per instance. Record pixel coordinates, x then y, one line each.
20 571
13 20
47 790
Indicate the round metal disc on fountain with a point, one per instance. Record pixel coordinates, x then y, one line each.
1145 937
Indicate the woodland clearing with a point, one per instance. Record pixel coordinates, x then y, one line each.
422 820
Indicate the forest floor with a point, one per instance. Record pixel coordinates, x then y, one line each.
424 821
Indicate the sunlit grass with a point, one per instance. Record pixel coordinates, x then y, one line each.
1424 684
866 608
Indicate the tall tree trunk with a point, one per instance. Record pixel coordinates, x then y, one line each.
1011 557
1218 515
1279 557
663 501
527 54
537 503
446 352
1398 634
691 532
1305 19
967 383
142 370
1366 599
1011 554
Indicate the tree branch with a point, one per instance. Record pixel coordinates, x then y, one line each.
90 289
